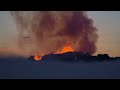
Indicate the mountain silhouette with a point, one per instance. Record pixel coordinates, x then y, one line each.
75 57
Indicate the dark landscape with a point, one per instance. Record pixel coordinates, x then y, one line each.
76 57
70 65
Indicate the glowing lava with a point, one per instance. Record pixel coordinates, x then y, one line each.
66 48
37 58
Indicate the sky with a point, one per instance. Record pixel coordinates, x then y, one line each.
108 26
107 23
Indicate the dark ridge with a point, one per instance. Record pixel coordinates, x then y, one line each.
75 57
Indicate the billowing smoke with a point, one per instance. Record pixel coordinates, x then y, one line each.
48 31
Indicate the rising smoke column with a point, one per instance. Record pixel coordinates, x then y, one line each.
50 30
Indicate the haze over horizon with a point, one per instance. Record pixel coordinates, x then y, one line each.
107 23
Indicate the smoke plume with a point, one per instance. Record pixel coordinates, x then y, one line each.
48 31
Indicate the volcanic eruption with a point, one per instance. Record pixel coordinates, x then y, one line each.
66 48
50 30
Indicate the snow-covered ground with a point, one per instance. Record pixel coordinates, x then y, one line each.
21 68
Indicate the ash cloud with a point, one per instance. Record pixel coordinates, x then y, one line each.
48 31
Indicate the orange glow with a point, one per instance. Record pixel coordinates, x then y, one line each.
67 48
37 58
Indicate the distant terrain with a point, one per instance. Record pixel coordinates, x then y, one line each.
76 57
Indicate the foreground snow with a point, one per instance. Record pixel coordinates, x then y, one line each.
20 68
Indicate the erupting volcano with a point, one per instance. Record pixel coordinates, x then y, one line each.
49 30
66 48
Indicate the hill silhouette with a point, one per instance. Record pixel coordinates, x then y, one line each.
76 57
